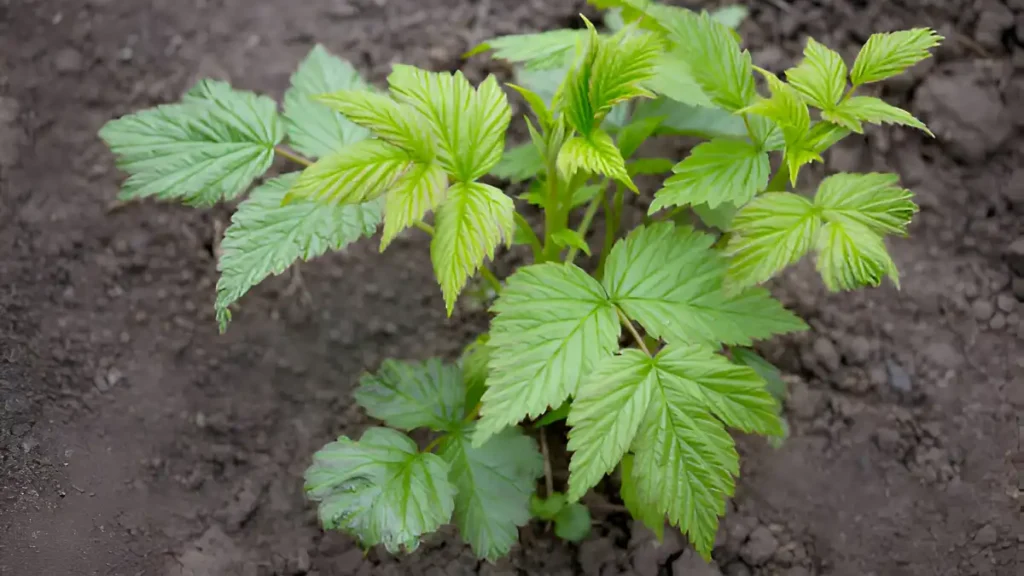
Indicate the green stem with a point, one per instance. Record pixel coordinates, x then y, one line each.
750 131
490 278
531 236
293 156
588 218
632 330
433 444
613 213
425 227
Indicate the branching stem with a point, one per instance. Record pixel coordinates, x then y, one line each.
632 330
293 156
549 483
588 218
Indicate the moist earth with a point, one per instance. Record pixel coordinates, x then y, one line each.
135 440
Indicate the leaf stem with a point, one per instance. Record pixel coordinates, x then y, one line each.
549 482
750 131
612 215
531 236
293 156
474 412
588 218
632 330
433 443
425 227
490 278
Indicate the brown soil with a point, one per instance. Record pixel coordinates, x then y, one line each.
135 440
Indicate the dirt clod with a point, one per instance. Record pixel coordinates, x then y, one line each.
760 547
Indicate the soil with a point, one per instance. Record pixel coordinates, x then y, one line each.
135 440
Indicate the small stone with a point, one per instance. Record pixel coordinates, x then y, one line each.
348 563
888 440
19 430
987 536
68 61
595 554
826 353
982 310
691 564
1015 256
899 380
998 322
943 354
994 20
804 403
1006 303
857 349
760 547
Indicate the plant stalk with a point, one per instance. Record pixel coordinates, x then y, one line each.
588 218
293 156
632 330
531 236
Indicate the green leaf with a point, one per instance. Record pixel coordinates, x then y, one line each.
823 135
547 508
649 166
872 200
649 515
606 415
715 172
265 237
585 194
622 65
573 522
569 238
537 105
719 217
420 189
543 83
474 362
674 79
721 68
520 163
773 231
774 383
560 413
380 490
683 120
553 325
408 395
538 51
469 226
732 15
573 96
634 134
313 129
388 120
494 484
668 279
785 107
888 54
820 76
850 113
851 255
208 148
594 154
469 124
355 174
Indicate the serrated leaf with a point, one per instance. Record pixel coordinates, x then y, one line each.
719 217
732 15
584 194
469 226
353 175
560 413
568 238
820 76
266 237
773 231
668 279
408 395
419 190
388 120
474 362
594 154
785 107
208 148
851 255
674 79
649 515
681 119
381 489
539 51
771 375
573 522
873 200
716 172
621 67
572 98
633 135
314 129
553 325
851 113
537 105
547 508
543 83
823 135
519 163
494 484
469 124
721 68
649 166
890 53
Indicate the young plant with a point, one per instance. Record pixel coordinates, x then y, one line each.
688 303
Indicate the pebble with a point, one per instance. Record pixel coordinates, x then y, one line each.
1006 303
968 118
987 536
899 380
68 61
760 547
826 353
1015 256
943 354
992 23
983 310
691 564
858 349
998 322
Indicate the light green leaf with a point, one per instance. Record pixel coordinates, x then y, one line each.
622 65
573 96
721 68
645 512
569 238
633 135
388 120
355 174
313 129
785 107
766 134
773 231
668 279
719 217
822 136
715 172
408 395
872 200
469 226
537 105
850 113
674 79
520 163
605 416
547 508
732 15
573 522
494 484
553 325
469 124
560 413
420 189
649 166
585 194
594 154
771 375
543 50
683 120
820 76
851 255
381 489
208 148
890 53
474 362
544 83
266 237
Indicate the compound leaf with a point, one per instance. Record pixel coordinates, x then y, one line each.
408 395
208 148
519 163
621 67
682 119
820 76
381 489
722 170
474 362
771 232
851 255
873 200
631 136
420 189
265 237
539 51
890 53
553 325
645 512
469 226
668 279
355 174
313 128
721 68
388 120
569 238
572 98
595 154
494 483
851 113
674 79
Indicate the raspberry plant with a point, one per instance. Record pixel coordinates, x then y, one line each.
689 302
